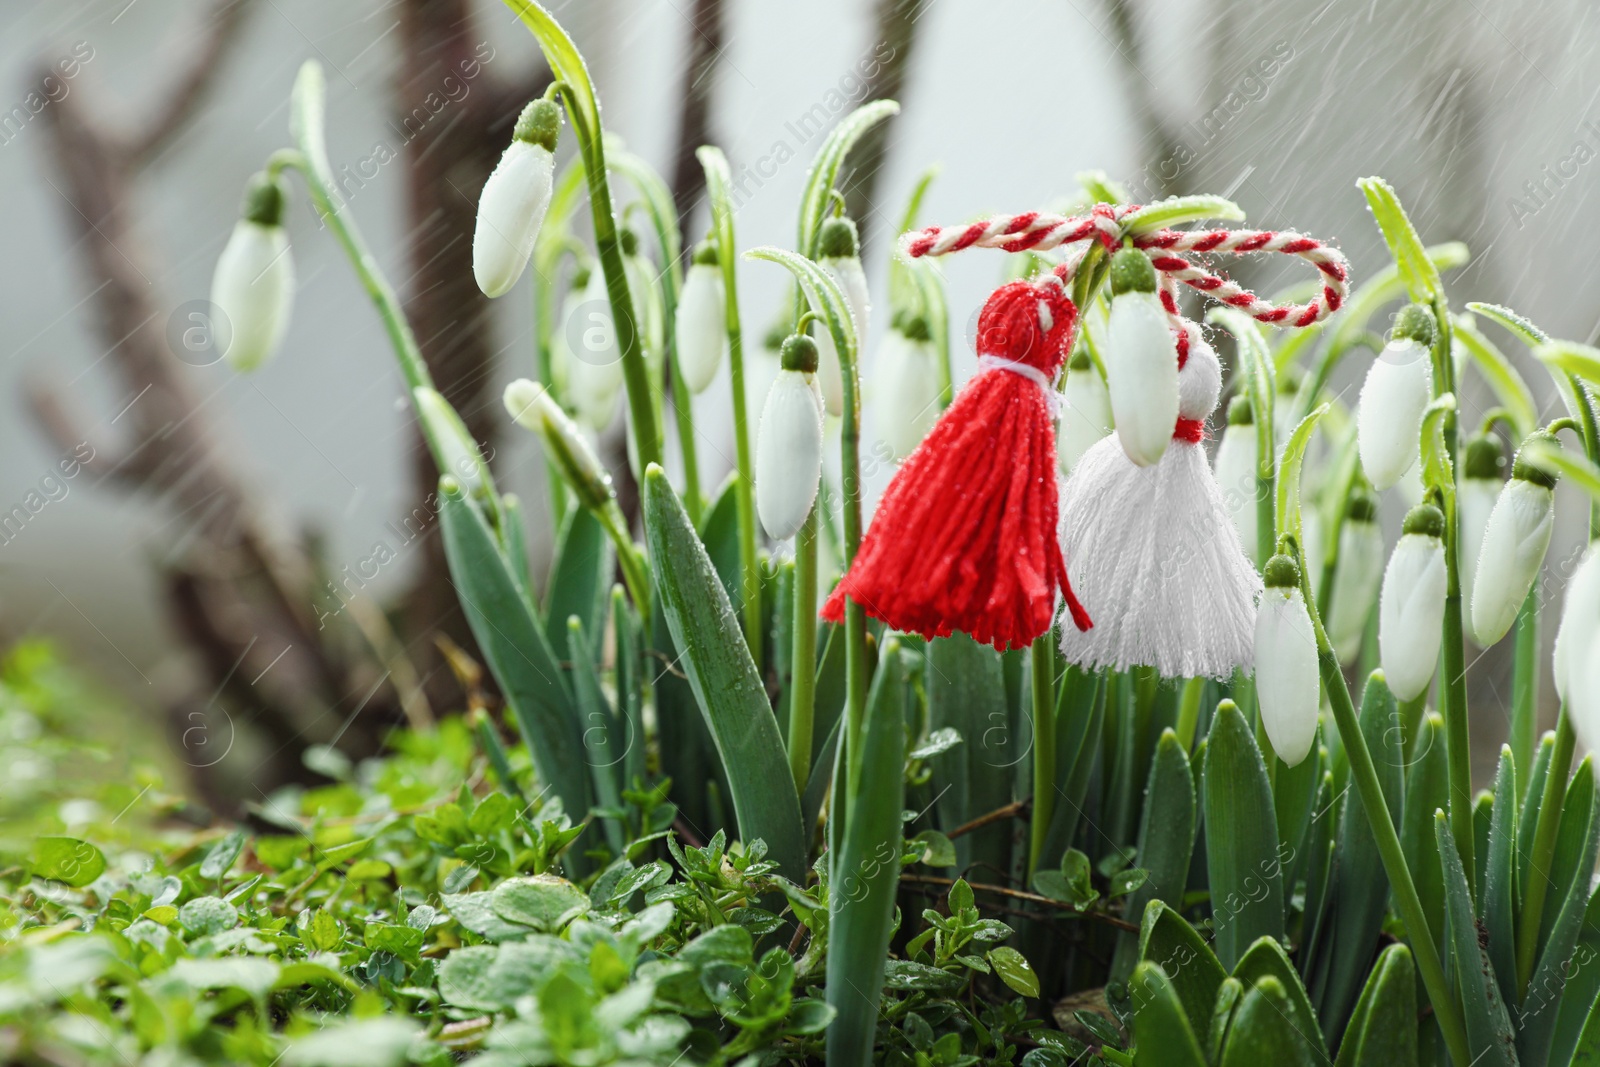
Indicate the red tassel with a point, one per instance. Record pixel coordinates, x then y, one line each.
965 537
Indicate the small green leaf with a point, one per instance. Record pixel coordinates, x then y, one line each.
67 859
1177 210
402 941
543 902
220 859
1262 1031
381 1041
323 933
255 976
1167 940
937 849
1421 276
1014 970
1289 467
208 915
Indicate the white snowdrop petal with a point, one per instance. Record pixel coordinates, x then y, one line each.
1236 474
1411 614
701 326
1142 375
788 455
1514 543
1085 415
594 367
1389 418
510 211
1475 500
1583 709
1580 620
253 287
1287 683
852 281
907 388
1356 580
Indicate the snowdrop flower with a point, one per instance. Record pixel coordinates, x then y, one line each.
514 199
1287 684
789 442
533 408
1514 544
1142 365
907 385
840 256
649 317
1580 620
1086 415
594 364
1236 472
1411 611
1482 477
253 285
1357 575
701 328
1393 399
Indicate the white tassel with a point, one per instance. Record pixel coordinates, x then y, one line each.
1153 555
1411 607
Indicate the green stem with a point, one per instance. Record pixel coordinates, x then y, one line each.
1189 711
1365 775
1407 903
1453 686
1541 856
1525 684
635 573
803 662
1044 746
855 617
608 243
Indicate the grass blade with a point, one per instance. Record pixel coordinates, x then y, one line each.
1383 1029
1489 1035
1161 1030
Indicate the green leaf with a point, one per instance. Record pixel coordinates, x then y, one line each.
1162 1034
402 941
220 859
580 574
255 976
1490 1037
1262 1032
1257 372
1014 970
1438 472
1588 1049
1421 276
1072 884
543 902
966 693
67 859
605 743
203 916
1523 327
1508 384
1178 949
1360 890
1177 210
823 294
515 646
1427 791
1242 859
1383 1029
1497 904
381 1041
1266 959
726 684
1557 955
866 871
1563 464
1289 466
1166 841
825 166
1577 994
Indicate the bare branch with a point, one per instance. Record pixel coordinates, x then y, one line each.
185 95
694 121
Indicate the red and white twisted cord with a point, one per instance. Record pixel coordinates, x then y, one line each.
1039 232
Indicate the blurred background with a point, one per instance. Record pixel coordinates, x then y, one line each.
250 559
